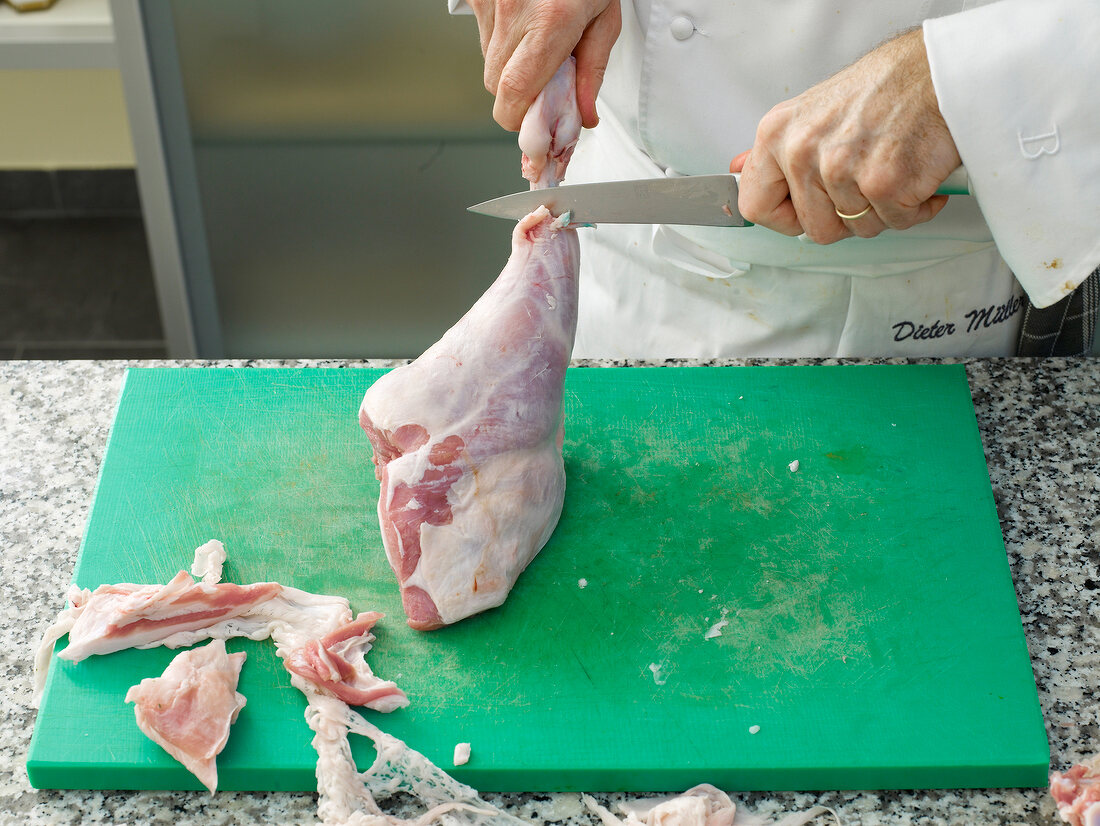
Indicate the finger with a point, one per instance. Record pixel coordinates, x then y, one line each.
537 57
504 36
903 216
738 162
817 212
865 226
484 14
846 197
592 53
935 204
763 195
521 80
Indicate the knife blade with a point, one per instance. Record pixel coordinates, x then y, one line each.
700 200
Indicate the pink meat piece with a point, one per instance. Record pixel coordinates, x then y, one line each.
1077 793
115 617
336 663
467 439
188 710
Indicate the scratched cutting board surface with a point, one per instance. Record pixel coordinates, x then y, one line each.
871 627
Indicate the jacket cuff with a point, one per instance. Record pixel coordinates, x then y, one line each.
1012 79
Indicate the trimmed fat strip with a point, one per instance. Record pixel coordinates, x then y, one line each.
114 617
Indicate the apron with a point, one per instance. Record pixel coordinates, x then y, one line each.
685 88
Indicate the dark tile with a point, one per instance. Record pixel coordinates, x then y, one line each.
98 190
76 279
77 351
26 190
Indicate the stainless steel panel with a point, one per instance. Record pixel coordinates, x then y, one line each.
336 146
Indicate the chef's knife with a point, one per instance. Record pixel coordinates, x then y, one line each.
701 200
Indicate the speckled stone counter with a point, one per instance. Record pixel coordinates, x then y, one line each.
1040 424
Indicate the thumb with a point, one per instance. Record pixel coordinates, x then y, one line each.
738 163
592 53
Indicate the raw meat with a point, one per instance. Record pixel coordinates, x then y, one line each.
550 129
336 663
312 628
114 617
188 710
703 805
467 439
315 633
1077 793
462 754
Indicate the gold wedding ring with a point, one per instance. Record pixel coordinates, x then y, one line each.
859 214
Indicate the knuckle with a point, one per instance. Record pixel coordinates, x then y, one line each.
836 166
772 125
884 185
554 16
900 221
801 150
513 83
827 235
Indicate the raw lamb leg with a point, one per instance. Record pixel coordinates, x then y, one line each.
467 439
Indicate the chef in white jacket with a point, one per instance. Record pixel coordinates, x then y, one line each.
842 143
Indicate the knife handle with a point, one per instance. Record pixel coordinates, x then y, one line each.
957 183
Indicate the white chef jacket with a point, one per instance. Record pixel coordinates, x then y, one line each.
686 85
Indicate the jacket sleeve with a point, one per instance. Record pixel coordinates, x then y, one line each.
1016 83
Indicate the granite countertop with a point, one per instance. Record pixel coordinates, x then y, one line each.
1040 424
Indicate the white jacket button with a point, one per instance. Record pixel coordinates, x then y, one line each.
682 28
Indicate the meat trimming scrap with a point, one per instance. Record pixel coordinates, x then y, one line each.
322 647
189 709
468 437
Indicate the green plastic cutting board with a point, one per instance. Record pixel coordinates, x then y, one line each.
872 632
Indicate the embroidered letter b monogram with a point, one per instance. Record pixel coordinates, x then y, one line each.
1033 146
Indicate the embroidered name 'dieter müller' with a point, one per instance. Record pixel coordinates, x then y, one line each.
978 318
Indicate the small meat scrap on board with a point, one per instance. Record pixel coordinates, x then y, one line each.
188 710
336 663
1077 793
468 438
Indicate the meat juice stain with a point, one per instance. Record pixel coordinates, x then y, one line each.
850 459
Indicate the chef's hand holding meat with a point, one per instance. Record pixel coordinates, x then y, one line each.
525 42
870 136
